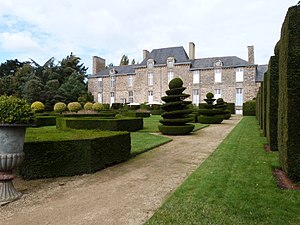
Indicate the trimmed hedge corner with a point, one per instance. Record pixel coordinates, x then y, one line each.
249 108
73 157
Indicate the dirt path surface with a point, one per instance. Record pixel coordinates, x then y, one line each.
125 194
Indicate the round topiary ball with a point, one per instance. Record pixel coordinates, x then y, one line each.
220 101
60 107
74 106
175 83
97 106
37 107
209 95
88 106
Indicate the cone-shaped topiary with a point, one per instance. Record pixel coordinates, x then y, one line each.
210 115
176 110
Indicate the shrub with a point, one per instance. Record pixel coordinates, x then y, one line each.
175 83
88 106
60 107
249 108
97 106
14 110
209 95
74 106
38 107
45 120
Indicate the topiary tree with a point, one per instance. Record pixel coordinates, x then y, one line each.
176 110
226 113
209 114
60 107
88 106
97 106
37 107
74 106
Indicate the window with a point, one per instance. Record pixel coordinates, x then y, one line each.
100 97
170 76
100 84
150 96
150 79
170 62
196 96
218 75
112 98
196 77
239 97
130 96
150 63
112 82
218 93
239 75
130 81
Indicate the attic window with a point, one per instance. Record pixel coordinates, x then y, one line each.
218 63
170 62
112 71
150 63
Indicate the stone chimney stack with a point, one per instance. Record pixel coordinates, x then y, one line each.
191 50
251 54
98 64
145 53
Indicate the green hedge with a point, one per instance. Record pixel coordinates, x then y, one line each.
272 103
72 157
176 130
105 114
45 120
231 107
122 124
136 114
249 108
210 119
289 94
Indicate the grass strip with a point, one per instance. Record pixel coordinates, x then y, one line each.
233 186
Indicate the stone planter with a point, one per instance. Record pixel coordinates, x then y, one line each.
11 156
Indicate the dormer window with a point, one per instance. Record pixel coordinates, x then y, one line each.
218 63
170 62
112 71
150 64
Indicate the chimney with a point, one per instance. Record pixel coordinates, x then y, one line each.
98 64
145 53
251 54
191 50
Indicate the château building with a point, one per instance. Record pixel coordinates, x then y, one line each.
230 77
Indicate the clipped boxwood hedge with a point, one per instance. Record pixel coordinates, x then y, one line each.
121 124
136 114
210 119
45 120
249 108
176 130
45 159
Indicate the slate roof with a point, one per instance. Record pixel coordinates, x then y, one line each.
261 69
208 63
120 70
161 55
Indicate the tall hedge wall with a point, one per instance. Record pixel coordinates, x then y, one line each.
289 94
272 102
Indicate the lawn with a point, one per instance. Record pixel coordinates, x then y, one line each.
234 185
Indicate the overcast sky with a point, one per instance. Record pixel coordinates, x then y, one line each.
41 29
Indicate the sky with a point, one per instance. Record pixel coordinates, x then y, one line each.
40 29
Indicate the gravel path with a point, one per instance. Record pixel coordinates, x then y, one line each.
125 194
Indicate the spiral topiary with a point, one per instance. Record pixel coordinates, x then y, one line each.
37 107
210 114
74 106
60 107
97 106
176 111
226 113
88 106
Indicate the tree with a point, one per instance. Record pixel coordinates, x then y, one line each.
133 62
10 67
124 60
33 89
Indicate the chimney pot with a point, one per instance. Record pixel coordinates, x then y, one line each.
191 50
251 54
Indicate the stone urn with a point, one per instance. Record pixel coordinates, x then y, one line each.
11 156
15 116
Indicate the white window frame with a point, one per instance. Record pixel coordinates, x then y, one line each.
196 77
150 79
150 64
112 82
170 62
239 75
218 75
130 81
218 93
196 96
170 76
100 84
130 96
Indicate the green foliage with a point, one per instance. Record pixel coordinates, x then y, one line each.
212 119
88 106
97 106
74 106
124 60
45 120
38 107
175 83
14 110
249 108
131 113
209 95
73 152
120 124
60 107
